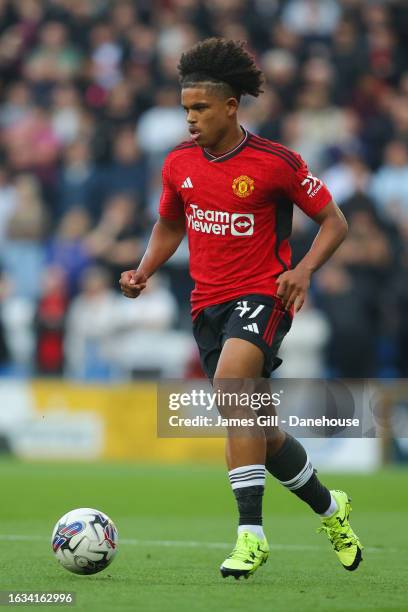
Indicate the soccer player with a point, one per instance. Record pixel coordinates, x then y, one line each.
233 193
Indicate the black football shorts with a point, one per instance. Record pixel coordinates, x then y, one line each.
259 319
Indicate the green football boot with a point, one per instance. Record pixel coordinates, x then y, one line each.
250 552
346 544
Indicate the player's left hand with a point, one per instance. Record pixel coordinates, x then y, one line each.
292 287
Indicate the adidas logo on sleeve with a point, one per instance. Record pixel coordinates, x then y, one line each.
187 184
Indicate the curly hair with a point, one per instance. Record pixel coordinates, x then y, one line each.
221 63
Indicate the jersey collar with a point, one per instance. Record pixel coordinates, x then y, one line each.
228 154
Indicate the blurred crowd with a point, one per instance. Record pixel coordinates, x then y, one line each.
89 107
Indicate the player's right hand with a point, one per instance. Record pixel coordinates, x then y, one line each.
132 283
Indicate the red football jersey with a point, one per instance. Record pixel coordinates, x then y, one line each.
238 209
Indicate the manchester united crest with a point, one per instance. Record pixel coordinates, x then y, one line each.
243 186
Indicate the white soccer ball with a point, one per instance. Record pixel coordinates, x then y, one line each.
85 541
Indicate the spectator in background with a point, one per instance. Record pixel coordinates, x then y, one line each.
123 17
90 323
351 350
399 115
77 183
367 251
163 126
398 307
4 350
105 67
304 349
28 220
54 60
348 55
30 15
142 46
80 15
263 115
373 101
317 124
142 53
17 105
19 24
389 186
349 176
176 37
280 68
312 18
31 145
384 57
107 338
116 240
22 253
142 328
66 249
8 201
348 294
50 322
66 113
128 170
119 112
281 37
16 324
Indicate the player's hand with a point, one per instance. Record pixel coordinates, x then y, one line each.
292 287
132 283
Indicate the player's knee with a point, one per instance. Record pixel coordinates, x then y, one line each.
234 396
229 371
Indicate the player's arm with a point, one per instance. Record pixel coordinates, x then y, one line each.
313 197
165 238
333 230
164 241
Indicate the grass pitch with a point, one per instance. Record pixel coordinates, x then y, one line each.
177 524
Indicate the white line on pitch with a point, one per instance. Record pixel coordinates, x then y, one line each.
23 538
190 543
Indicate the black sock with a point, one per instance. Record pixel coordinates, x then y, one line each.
249 500
291 466
248 484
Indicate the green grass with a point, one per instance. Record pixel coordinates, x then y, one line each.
193 504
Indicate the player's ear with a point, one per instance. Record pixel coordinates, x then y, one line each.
232 106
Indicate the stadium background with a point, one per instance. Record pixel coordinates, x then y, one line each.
89 107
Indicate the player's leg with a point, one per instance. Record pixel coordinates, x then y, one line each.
289 463
240 363
286 459
248 330
292 467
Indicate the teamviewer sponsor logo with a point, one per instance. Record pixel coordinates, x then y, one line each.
219 222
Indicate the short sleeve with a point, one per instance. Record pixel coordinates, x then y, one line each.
171 206
305 190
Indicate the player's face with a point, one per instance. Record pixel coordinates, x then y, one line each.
209 115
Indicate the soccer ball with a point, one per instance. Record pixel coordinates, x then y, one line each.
85 541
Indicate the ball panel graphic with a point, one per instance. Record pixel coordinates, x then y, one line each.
85 541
